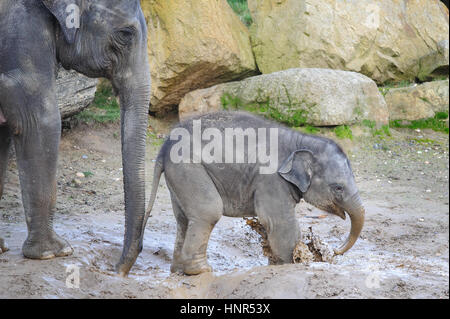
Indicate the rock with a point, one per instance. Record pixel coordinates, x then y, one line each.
74 92
435 64
383 39
77 183
80 175
320 97
193 45
443 49
418 101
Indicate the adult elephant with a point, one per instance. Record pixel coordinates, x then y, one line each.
98 38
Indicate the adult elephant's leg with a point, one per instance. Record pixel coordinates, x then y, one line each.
202 205
276 212
36 138
5 142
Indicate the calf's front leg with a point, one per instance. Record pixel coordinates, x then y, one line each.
276 212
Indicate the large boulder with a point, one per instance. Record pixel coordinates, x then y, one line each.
193 45
435 64
74 92
383 39
418 101
320 97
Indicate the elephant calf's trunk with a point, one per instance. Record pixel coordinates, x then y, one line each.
357 219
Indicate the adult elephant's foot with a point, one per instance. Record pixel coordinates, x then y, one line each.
176 267
3 247
196 267
47 247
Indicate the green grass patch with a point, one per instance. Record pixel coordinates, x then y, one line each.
311 129
441 116
384 131
368 123
393 85
440 78
398 84
424 141
372 125
104 108
240 7
343 132
436 123
229 102
294 113
155 140
88 174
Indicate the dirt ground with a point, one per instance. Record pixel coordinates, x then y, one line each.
403 251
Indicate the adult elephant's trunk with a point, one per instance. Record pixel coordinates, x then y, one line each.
134 99
356 212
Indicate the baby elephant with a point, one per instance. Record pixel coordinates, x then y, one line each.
240 165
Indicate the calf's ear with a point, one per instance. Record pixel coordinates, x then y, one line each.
297 169
68 14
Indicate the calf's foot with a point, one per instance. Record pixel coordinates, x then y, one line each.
196 266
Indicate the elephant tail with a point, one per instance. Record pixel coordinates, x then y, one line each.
159 169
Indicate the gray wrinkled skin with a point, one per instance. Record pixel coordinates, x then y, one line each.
310 167
112 43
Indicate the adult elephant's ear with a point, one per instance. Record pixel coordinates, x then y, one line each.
297 169
68 14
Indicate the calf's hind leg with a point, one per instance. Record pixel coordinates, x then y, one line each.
196 195
182 223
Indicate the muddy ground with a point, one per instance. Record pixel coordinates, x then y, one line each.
403 251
